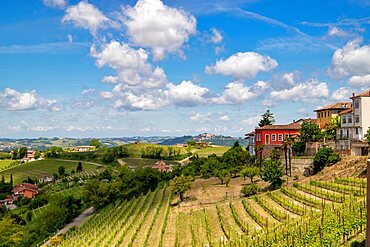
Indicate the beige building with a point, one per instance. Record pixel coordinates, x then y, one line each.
354 124
325 114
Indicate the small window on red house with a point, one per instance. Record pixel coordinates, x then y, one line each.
280 136
273 137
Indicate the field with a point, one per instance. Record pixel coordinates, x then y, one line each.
315 213
138 162
218 150
7 163
36 169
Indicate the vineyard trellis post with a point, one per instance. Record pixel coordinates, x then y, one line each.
368 205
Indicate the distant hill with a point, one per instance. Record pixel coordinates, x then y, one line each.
177 140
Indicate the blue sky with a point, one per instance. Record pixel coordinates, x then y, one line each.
150 67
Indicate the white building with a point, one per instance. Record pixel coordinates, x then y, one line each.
354 125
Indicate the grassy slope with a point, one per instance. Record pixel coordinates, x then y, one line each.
38 168
5 163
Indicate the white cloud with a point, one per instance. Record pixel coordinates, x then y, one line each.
237 92
147 101
55 3
13 100
242 65
251 121
70 38
216 36
337 32
88 91
219 49
77 128
110 79
186 93
307 92
351 60
342 94
42 128
87 16
285 80
209 117
360 81
131 65
152 24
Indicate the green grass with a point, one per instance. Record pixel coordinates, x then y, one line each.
219 150
138 162
135 149
36 169
6 163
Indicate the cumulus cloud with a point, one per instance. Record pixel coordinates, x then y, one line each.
351 60
154 25
307 92
285 80
55 3
342 94
238 92
87 16
360 81
251 121
110 79
216 36
242 65
186 93
131 65
13 100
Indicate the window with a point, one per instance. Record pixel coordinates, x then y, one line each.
349 119
356 131
357 104
273 137
344 120
267 139
341 133
357 118
280 136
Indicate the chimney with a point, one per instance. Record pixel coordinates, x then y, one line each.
353 94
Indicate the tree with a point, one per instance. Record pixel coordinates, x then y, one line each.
367 135
37 154
267 119
331 128
236 144
250 190
250 172
79 167
179 185
61 171
310 132
11 180
275 154
95 142
324 157
22 152
222 175
273 173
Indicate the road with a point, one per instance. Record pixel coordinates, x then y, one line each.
76 222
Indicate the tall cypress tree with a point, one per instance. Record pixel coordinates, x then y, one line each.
11 180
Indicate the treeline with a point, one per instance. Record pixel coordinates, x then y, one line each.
104 155
168 153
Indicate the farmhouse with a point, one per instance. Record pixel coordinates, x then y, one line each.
162 166
25 190
9 199
45 179
85 148
325 114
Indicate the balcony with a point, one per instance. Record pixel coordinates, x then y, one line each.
349 137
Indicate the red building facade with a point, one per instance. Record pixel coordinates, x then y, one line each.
273 136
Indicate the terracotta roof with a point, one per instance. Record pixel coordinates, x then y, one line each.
250 133
25 186
306 120
291 126
338 105
346 111
363 94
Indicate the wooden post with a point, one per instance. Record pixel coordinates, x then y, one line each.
368 205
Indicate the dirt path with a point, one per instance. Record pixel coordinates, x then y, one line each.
76 222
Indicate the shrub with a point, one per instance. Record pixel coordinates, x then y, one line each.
272 173
250 190
324 157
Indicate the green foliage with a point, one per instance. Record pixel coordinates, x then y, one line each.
5 156
267 119
272 172
310 132
96 143
275 154
37 154
53 152
22 152
367 135
39 201
99 194
249 190
331 128
12 234
79 167
299 148
179 185
61 171
5 188
324 157
250 172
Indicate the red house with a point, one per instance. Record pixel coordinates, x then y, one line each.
162 166
26 190
273 136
